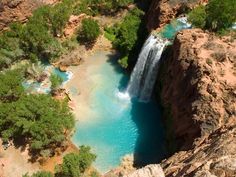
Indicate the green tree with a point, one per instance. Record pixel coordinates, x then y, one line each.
198 16
221 14
89 31
37 41
42 121
59 16
40 174
125 35
56 81
75 164
11 88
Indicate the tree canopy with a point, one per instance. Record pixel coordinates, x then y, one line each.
40 174
125 35
89 31
39 120
75 164
217 15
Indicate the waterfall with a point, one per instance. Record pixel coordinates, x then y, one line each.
144 74
145 71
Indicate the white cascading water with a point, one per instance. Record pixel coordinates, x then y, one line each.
144 74
145 71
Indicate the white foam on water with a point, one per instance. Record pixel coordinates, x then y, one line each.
184 20
123 95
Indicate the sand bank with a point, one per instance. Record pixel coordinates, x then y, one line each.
83 82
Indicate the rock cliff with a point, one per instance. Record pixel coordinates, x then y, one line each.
163 11
198 83
18 10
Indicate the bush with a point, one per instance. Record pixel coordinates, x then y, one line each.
75 164
217 15
198 16
40 174
125 35
38 119
89 31
56 81
103 7
123 61
221 14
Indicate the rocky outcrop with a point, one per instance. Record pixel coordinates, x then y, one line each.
162 12
215 156
148 171
18 10
198 82
198 85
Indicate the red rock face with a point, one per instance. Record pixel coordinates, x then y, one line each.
163 11
18 10
198 85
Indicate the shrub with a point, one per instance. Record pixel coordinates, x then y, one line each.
89 31
123 61
198 16
219 56
217 15
104 7
75 164
40 174
125 35
38 119
221 14
56 81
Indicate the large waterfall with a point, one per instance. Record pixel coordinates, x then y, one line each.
145 71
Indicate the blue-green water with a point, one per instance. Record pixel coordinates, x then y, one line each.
119 126
35 86
169 30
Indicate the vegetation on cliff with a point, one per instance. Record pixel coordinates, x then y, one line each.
104 7
125 35
217 15
89 31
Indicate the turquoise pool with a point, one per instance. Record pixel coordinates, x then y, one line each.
119 126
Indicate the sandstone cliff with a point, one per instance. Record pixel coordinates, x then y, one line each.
215 156
198 83
163 11
18 10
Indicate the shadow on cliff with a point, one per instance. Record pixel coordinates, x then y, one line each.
149 146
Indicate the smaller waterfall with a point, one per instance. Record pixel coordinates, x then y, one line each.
145 71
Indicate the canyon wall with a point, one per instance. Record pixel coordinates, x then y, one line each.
197 83
18 10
